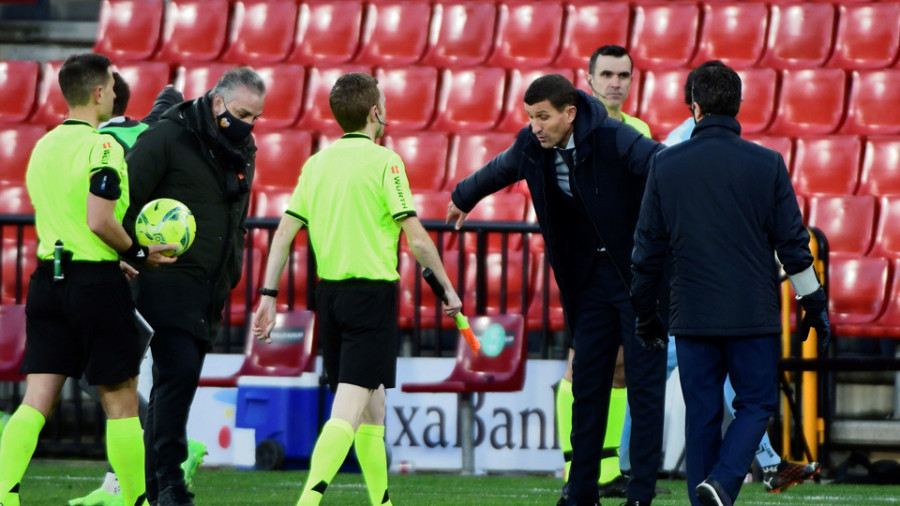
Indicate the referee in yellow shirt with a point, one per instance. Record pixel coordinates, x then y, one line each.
354 197
79 310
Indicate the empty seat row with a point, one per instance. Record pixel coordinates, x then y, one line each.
789 102
864 296
515 34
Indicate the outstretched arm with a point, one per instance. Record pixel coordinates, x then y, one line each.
264 318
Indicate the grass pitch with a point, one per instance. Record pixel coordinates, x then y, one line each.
55 482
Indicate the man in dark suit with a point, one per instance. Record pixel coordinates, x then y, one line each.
718 205
586 174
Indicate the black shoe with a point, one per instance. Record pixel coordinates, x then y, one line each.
635 503
616 488
564 494
175 495
711 493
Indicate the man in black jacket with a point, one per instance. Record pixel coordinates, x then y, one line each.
200 153
718 205
586 174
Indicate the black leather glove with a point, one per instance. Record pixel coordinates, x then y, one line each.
651 333
816 307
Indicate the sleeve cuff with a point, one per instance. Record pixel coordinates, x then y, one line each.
805 282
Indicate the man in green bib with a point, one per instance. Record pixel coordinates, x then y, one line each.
79 310
354 197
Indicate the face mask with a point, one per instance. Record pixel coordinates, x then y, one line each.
232 128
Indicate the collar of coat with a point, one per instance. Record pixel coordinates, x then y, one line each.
716 124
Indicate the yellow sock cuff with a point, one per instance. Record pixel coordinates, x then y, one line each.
342 425
30 415
371 430
123 427
565 385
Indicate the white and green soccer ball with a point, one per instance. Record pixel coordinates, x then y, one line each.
166 221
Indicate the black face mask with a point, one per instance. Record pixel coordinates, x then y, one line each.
232 128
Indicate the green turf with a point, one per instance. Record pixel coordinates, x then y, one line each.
54 483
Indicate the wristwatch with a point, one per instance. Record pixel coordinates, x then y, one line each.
268 291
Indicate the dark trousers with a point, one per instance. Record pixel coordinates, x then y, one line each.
752 363
601 318
645 377
177 360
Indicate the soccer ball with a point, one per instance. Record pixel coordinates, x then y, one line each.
166 221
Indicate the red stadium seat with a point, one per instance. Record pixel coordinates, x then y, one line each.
18 88
758 94
270 202
145 81
297 266
394 33
873 99
470 100
327 32
887 232
545 286
425 156
316 111
514 116
14 199
469 152
510 206
284 95
128 30
881 167
781 144
513 284
734 33
281 155
196 79
799 35
801 203
664 35
12 342
857 290
582 24
462 33
516 45
811 102
239 304
262 31
51 106
867 37
846 220
432 205
662 100
193 30
17 268
827 164
16 143
285 356
410 94
888 324
483 373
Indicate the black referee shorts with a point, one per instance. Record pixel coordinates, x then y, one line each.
82 325
358 332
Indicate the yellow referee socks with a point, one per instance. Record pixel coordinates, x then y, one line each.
564 400
609 464
16 448
372 458
331 449
125 451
